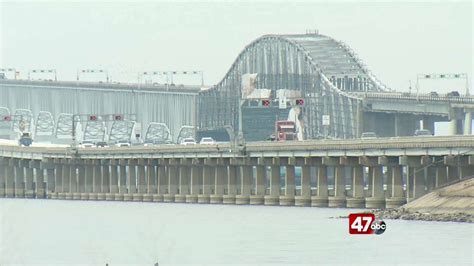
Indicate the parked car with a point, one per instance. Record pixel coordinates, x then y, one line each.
434 94
368 135
207 140
87 144
123 143
423 132
188 141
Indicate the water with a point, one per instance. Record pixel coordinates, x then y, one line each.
46 232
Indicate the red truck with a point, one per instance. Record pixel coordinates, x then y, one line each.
285 130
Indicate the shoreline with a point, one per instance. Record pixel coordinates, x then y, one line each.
403 214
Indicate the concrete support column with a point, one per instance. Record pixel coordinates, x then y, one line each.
305 198
358 197
321 199
74 175
370 182
410 182
152 177
453 127
441 175
419 183
122 178
173 178
105 176
132 177
274 197
29 189
229 198
3 161
96 181
245 186
141 177
184 179
339 199
50 175
66 181
195 184
81 178
89 180
288 199
466 171
208 175
114 177
430 178
19 180
40 189
9 178
258 198
220 180
397 197
377 201
162 183
467 123
388 190
453 173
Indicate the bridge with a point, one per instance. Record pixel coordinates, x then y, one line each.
277 77
326 74
374 173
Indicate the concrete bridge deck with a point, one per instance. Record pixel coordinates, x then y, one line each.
374 173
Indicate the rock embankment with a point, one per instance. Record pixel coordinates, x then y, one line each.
453 203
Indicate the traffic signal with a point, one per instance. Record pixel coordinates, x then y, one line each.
118 117
299 101
92 118
265 102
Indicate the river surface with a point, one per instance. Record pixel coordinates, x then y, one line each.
47 232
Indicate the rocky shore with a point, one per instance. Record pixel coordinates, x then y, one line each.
403 214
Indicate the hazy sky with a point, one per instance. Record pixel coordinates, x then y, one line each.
396 40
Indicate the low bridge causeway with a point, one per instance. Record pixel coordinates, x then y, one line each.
375 173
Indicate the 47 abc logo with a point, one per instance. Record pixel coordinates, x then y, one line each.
365 224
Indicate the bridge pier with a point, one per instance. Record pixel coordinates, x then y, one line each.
246 175
259 197
10 178
321 199
229 198
184 179
131 180
19 179
73 188
162 183
114 185
173 178
339 198
396 197
274 197
141 182
195 184
208 175
3 162
288 198
40 184
66 176
151 180
81 180
89 177
358 199
122 180
29 178
220 178
304 199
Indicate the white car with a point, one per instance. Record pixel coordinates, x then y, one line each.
207 141
188 141
123 143
87 144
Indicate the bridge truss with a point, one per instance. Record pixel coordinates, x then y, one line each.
325 71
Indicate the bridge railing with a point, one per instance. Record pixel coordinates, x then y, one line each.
421 97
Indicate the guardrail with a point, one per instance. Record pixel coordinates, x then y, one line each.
251 149
421 97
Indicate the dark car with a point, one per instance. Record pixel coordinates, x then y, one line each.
101 144
453 94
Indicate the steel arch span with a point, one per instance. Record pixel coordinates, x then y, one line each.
324 72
